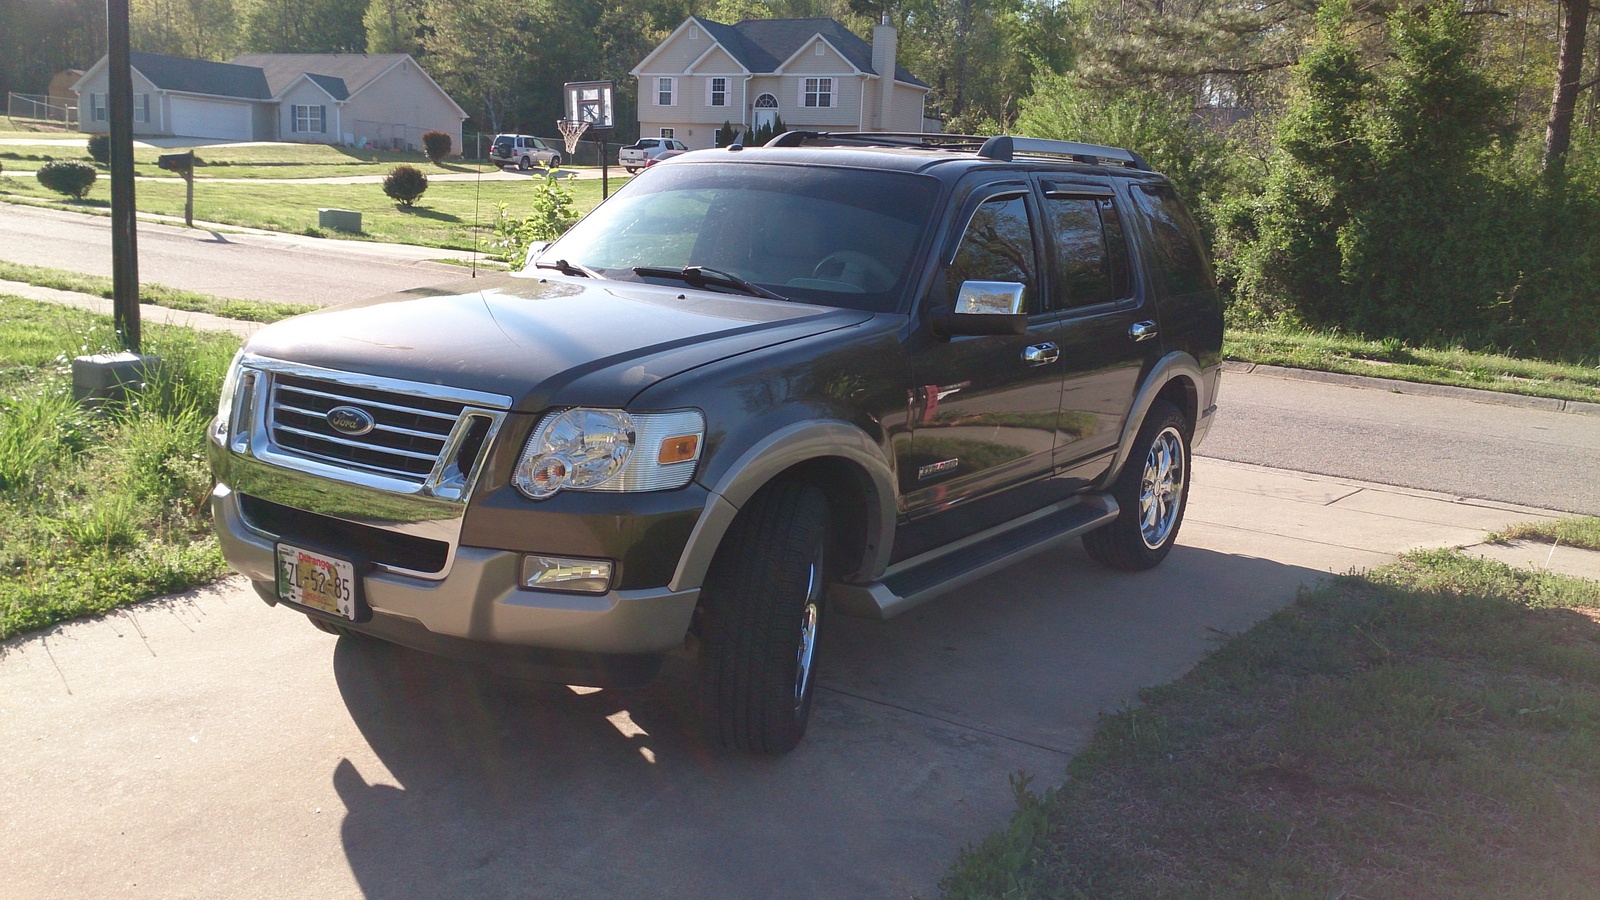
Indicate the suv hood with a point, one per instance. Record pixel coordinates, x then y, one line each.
540 339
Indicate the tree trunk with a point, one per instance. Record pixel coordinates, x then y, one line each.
1569 74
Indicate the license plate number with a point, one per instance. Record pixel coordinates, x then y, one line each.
317 580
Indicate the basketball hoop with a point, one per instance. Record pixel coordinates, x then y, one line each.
571 133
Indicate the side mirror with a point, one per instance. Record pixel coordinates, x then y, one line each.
534 249
985 307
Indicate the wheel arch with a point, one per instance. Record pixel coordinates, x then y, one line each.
839 458
1176 378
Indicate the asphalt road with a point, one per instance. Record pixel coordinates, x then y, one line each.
1459 447
276 267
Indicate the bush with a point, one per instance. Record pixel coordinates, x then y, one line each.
71 178
100 149
552 216
405 184
437 145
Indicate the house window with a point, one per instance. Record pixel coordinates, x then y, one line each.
97 107
310 119
716 92
141 107
817 93
666 133
666 91
819 48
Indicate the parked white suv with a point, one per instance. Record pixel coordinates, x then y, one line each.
634 156
523 150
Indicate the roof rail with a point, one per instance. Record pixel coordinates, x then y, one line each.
1000 147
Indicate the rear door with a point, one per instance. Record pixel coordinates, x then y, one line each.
1107 325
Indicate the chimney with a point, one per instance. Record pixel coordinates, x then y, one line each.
885 42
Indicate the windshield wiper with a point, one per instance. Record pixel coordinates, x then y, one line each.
568 268
701 276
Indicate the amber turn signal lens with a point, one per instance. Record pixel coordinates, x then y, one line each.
679 449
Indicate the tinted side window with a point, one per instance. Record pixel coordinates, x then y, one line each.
997 246
1176 242
1091 257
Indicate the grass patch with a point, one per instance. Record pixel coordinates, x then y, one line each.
1430 729
1582 532
98 512
154 294
1389 358
444 216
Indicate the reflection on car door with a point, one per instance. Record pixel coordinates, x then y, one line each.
984 408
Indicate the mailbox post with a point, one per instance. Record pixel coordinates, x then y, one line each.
183 164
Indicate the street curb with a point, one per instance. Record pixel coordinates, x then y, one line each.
1396 386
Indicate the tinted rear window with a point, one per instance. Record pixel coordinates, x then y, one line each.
1180 255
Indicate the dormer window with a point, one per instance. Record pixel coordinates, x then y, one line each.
819 48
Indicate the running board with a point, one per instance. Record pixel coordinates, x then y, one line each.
917 580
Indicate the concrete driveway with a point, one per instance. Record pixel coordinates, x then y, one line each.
207 745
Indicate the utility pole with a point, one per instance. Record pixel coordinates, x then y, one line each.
124 243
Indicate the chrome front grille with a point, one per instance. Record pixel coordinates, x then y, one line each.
406 440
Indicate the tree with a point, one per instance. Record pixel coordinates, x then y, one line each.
1569 71
306 26
201 29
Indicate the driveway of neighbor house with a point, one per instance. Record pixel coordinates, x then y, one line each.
209 745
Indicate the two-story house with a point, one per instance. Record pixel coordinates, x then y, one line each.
811 73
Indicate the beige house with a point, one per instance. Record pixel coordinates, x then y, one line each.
382 100
811 73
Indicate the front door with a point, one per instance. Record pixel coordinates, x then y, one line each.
984 408
766 114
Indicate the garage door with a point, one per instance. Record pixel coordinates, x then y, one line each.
210 119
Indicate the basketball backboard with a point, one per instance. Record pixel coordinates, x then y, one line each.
590 102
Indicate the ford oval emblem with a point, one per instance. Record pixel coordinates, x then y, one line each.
349 420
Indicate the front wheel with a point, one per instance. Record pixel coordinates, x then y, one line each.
762 611
555 161
1152 491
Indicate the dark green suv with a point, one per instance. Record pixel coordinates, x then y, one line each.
836 374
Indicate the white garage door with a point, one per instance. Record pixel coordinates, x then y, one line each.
210 119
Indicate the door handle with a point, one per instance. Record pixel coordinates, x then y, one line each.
1041 354
1142 331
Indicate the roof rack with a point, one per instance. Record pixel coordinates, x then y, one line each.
1002 147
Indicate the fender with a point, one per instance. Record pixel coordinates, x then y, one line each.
1176 364
777 452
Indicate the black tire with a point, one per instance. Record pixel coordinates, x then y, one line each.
1152 491
555 161
522 164
631 169
761 615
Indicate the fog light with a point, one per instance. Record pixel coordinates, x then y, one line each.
558 573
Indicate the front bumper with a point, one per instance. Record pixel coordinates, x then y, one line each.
478 611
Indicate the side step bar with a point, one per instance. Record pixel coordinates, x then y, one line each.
915 581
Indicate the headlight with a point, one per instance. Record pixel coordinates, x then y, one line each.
230 384
609 450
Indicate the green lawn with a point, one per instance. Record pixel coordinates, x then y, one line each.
1334 352
1582 533
154 294
1427 730
99 511
444 216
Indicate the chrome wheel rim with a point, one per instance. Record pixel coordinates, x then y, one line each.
1161 488
808 634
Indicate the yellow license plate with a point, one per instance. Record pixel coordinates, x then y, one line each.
317 580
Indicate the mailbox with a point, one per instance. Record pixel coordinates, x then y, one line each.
175 162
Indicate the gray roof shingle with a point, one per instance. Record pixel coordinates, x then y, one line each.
761 45
334 86
200 76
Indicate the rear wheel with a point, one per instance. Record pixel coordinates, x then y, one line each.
1152 491
523 165
631 169
762 611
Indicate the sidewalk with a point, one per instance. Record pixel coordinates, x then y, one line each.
148 313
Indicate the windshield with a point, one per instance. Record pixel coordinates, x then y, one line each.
835 237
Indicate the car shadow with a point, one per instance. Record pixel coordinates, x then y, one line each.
492 786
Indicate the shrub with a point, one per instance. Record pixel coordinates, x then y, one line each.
405 184
100 149
65 177
437 145
552 216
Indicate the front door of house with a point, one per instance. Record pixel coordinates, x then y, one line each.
766 115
